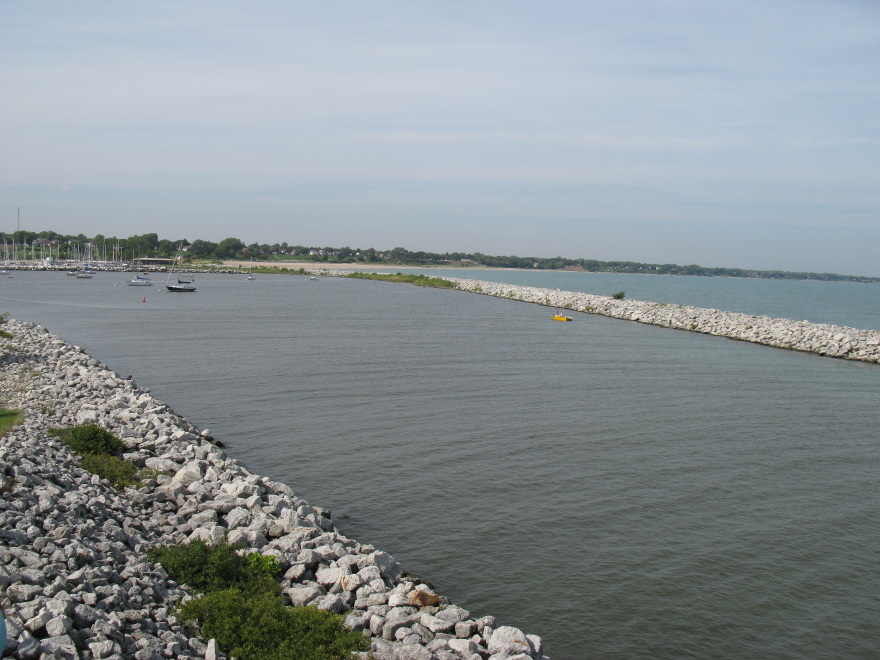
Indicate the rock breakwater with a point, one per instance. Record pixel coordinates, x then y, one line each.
828 340
72 547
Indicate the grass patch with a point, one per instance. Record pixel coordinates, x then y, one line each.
418 280
90 439
9 419
208 568
242 609
292 257
117 471
261 627
619 295
97 449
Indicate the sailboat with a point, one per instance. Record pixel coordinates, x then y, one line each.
140 281
181 285
251 271
84 271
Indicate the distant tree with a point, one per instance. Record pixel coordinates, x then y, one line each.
166 248
229 248
150 241
22 237
202 249
398 254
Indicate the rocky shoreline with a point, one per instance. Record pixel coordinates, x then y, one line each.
827 340
72 548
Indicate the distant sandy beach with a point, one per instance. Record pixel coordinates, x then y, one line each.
315 265
319 265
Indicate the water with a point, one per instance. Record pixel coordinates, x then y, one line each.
621 490
838 303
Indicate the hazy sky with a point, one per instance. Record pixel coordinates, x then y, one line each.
724 133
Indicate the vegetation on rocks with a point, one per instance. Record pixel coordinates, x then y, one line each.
67 527
90 439
206 568
3 333
261 627
418 280
241 607
9 419
117 471
618 295
97 448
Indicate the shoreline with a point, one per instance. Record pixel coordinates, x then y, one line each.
826 340
73 547
822 339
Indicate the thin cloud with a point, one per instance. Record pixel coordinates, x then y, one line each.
664 110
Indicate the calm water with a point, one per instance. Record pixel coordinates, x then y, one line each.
624 491
838 303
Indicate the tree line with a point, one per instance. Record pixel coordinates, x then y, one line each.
150 245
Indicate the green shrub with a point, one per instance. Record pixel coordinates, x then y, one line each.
241 607
208 568
262 628
263 564
620 295
120 473
91 439
418 280
9 419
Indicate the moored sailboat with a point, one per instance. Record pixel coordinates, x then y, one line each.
140 281
181 285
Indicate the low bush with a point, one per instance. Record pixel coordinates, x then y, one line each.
90 439
118 472
418 280
242 609
620 295
9 419
97 447
208 568
261 627
263 564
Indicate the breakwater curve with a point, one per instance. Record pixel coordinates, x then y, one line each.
823 339
73 560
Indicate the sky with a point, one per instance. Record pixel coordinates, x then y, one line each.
723 133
